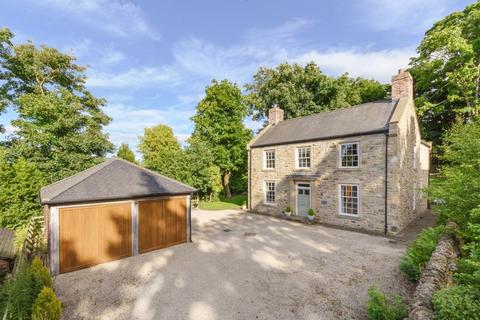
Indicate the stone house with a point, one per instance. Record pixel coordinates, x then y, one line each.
362 167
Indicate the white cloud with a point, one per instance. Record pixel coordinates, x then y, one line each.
379 65
134 77
128 122
120 18
110 55
409 16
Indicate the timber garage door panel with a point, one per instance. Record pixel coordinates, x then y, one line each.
94 234
161 223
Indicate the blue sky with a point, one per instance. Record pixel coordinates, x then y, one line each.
151 60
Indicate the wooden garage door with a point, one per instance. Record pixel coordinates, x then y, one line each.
93 234
161 223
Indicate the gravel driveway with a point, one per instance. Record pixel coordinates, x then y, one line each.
263 268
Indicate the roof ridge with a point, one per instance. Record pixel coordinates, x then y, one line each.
106 163
153 172
338 110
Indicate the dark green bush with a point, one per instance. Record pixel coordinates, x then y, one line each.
379 307
46 306
40 275
457 303
419 252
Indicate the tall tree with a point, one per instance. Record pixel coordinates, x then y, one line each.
219 123
447 72
20 184
202 173
5 44
162 152
301 91
126 153
59 125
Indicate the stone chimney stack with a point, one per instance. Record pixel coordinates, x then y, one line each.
402 85
275 115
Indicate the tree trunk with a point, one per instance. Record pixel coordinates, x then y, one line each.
226 184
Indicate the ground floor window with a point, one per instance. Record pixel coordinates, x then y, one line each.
270 192
349 199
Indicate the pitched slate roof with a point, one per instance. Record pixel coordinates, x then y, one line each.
114 179
362 119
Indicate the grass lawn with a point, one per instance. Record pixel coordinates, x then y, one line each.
234 202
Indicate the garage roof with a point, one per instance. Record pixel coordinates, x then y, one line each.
114 179
365 118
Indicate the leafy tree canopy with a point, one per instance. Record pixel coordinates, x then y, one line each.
301 91
219 123
59 125
126 153
162 152
202 172
20 184
447 72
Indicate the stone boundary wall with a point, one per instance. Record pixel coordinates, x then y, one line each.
437 274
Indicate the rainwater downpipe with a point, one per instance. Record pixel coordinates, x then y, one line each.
386 181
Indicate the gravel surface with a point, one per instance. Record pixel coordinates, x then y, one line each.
240 266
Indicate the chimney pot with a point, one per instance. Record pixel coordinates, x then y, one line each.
275 115
402 85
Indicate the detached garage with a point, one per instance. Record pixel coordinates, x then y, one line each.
111 211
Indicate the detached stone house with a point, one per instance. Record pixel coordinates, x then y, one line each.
361 167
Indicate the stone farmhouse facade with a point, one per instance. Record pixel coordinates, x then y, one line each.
362 167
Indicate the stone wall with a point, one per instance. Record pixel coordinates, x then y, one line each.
408 168
437 274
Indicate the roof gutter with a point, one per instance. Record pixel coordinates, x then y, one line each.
365 133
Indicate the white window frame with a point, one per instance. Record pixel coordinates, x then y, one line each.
265 167
297 159
340 156
265 192
340 199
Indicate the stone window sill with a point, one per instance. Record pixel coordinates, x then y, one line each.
347 217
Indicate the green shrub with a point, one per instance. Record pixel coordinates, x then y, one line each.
457 303
46 306
311 212
40 275
379 307
419 252
18 294
468 272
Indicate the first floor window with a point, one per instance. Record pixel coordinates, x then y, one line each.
349 199
349 155
270 159
269 191
303 157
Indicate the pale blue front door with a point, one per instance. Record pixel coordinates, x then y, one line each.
303 199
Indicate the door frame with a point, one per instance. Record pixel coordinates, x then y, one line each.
297 187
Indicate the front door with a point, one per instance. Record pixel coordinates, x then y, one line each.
303 199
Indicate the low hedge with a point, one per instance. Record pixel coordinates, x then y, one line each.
381 307
419 252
